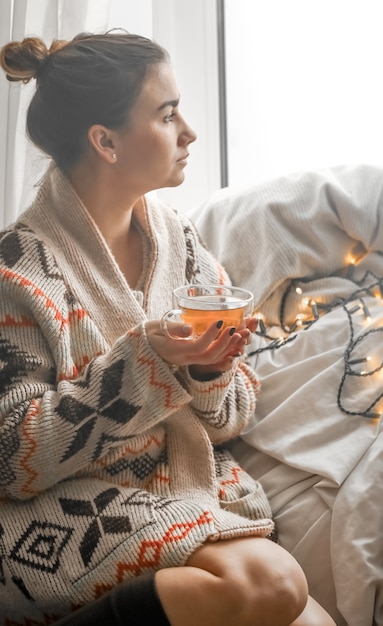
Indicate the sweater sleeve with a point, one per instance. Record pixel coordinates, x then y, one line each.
226 403
67 398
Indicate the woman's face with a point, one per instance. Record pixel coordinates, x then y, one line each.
152 149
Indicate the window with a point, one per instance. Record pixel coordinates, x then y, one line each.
303 85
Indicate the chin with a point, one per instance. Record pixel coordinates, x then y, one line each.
178 180
172 181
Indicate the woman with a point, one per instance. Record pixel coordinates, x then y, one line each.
114 473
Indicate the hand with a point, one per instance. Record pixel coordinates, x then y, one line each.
212 352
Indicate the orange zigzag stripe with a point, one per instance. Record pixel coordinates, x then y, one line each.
221 279
146 444
78 314
150 551
25 282
250 374
156 383
25 322
133 450
160 478
33 411
76 369
153 381
214 385
11 321
233 481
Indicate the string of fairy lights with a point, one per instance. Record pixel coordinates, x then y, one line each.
369 285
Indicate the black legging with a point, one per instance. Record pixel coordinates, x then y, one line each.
132 603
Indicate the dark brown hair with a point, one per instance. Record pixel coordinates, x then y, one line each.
93 79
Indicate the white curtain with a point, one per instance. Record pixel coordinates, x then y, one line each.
21 165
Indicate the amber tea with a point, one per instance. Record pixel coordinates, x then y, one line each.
202 305
203 311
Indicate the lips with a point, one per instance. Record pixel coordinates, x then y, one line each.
183 160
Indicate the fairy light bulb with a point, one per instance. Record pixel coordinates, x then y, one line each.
314 309
351 266
261 325
362 360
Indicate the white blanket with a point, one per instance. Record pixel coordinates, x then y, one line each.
319 458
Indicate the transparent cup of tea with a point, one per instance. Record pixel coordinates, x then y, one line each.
202 305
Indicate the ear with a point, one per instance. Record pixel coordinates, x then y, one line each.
101 140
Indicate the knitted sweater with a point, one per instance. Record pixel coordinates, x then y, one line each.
111 464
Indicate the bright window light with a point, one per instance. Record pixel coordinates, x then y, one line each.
304 85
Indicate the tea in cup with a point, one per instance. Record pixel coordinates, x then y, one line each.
202 305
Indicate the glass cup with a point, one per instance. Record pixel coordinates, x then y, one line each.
202 305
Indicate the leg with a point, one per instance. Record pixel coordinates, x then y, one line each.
241 582
136 600
313 615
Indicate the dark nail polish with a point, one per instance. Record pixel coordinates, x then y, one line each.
232 331
219 324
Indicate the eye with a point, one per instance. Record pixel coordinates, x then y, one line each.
170 116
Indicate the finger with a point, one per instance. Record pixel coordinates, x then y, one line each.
224 346
213 346
191 351
212 333
177 330
239 349
252 324
208 347
246 335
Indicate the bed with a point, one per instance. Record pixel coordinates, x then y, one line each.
310 248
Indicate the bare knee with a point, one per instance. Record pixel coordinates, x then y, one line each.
274 588
281 589
257 581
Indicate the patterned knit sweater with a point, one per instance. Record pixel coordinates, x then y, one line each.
110 463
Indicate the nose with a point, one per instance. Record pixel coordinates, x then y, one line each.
187 134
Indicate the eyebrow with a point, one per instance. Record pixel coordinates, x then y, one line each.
169 103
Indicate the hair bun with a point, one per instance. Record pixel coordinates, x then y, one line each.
57 44
22 60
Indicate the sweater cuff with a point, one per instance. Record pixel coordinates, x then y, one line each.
208 395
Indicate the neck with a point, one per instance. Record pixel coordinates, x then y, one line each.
110 206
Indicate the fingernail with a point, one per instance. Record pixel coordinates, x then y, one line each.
232 331
219 324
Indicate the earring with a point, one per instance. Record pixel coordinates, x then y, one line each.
114 156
